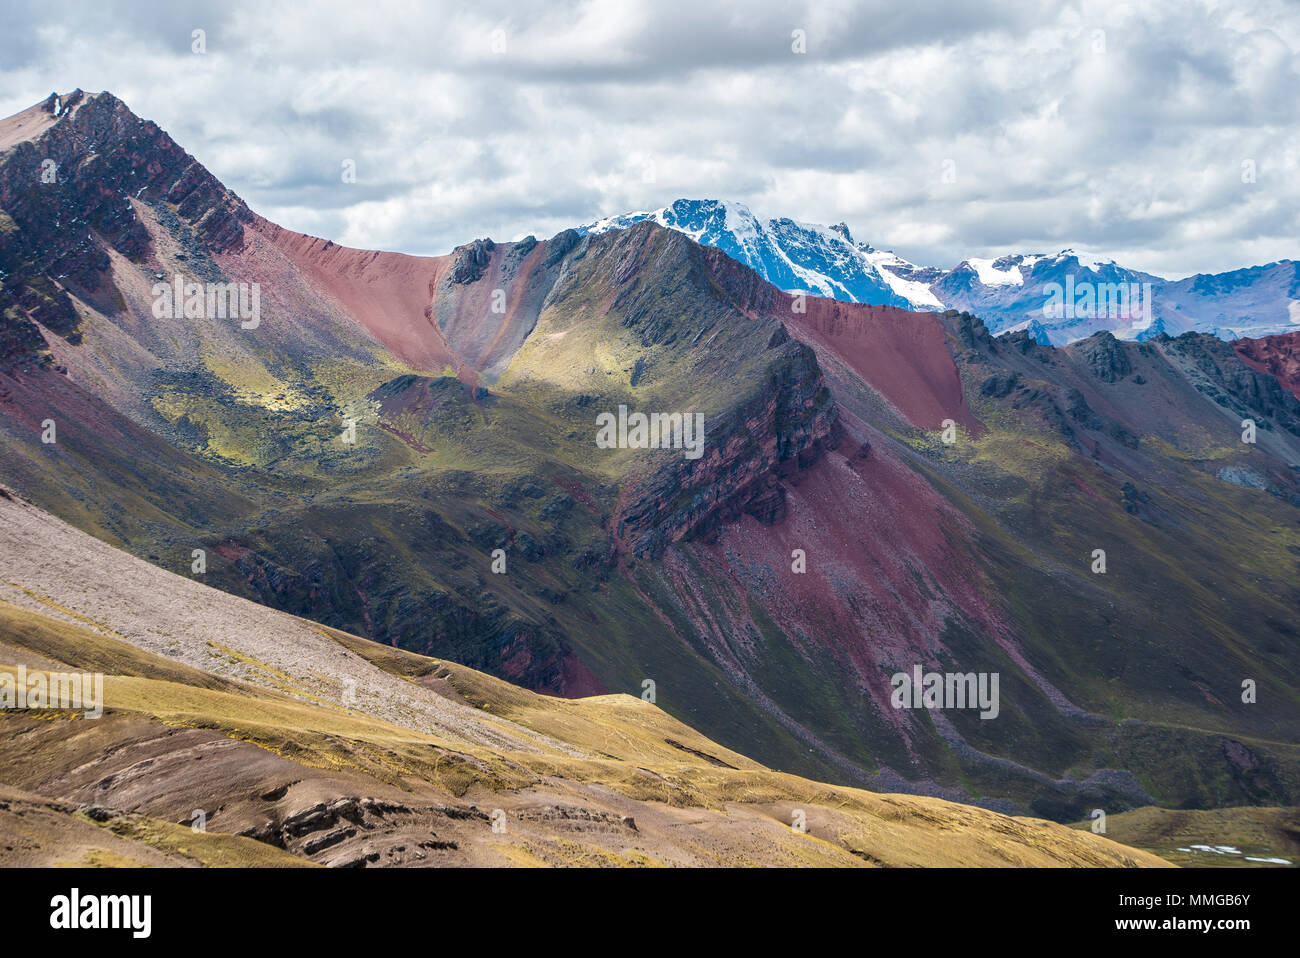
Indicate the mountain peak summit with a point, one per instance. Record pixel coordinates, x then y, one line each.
1009 292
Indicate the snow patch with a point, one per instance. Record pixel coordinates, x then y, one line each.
1087 260
917 293
990 275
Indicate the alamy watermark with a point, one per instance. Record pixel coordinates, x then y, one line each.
946 690
1088 300
180 299
656 430
74 911
53 690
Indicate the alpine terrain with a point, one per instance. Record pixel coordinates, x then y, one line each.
1058 298
648 535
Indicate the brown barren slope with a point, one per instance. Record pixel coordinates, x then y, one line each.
470 310
902 355
388 294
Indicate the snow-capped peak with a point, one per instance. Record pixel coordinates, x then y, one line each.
796 256
999 272
1086 259
1007 292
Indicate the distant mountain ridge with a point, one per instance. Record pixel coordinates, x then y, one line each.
879 490
1010 293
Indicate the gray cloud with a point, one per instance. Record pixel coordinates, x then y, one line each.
1123 129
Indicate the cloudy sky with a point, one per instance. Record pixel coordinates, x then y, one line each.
1164 134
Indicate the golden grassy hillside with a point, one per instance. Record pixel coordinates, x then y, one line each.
610 780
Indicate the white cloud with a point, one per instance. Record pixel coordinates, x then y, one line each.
1116 127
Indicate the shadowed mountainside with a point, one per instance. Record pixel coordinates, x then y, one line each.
302 744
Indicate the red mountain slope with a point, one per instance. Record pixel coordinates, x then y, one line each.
1279 356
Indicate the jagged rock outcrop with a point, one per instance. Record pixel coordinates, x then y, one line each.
1104 355
66 197
1225 375
469 261
1279 356
787 429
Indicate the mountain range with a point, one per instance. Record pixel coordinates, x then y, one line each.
402 451
1010 293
